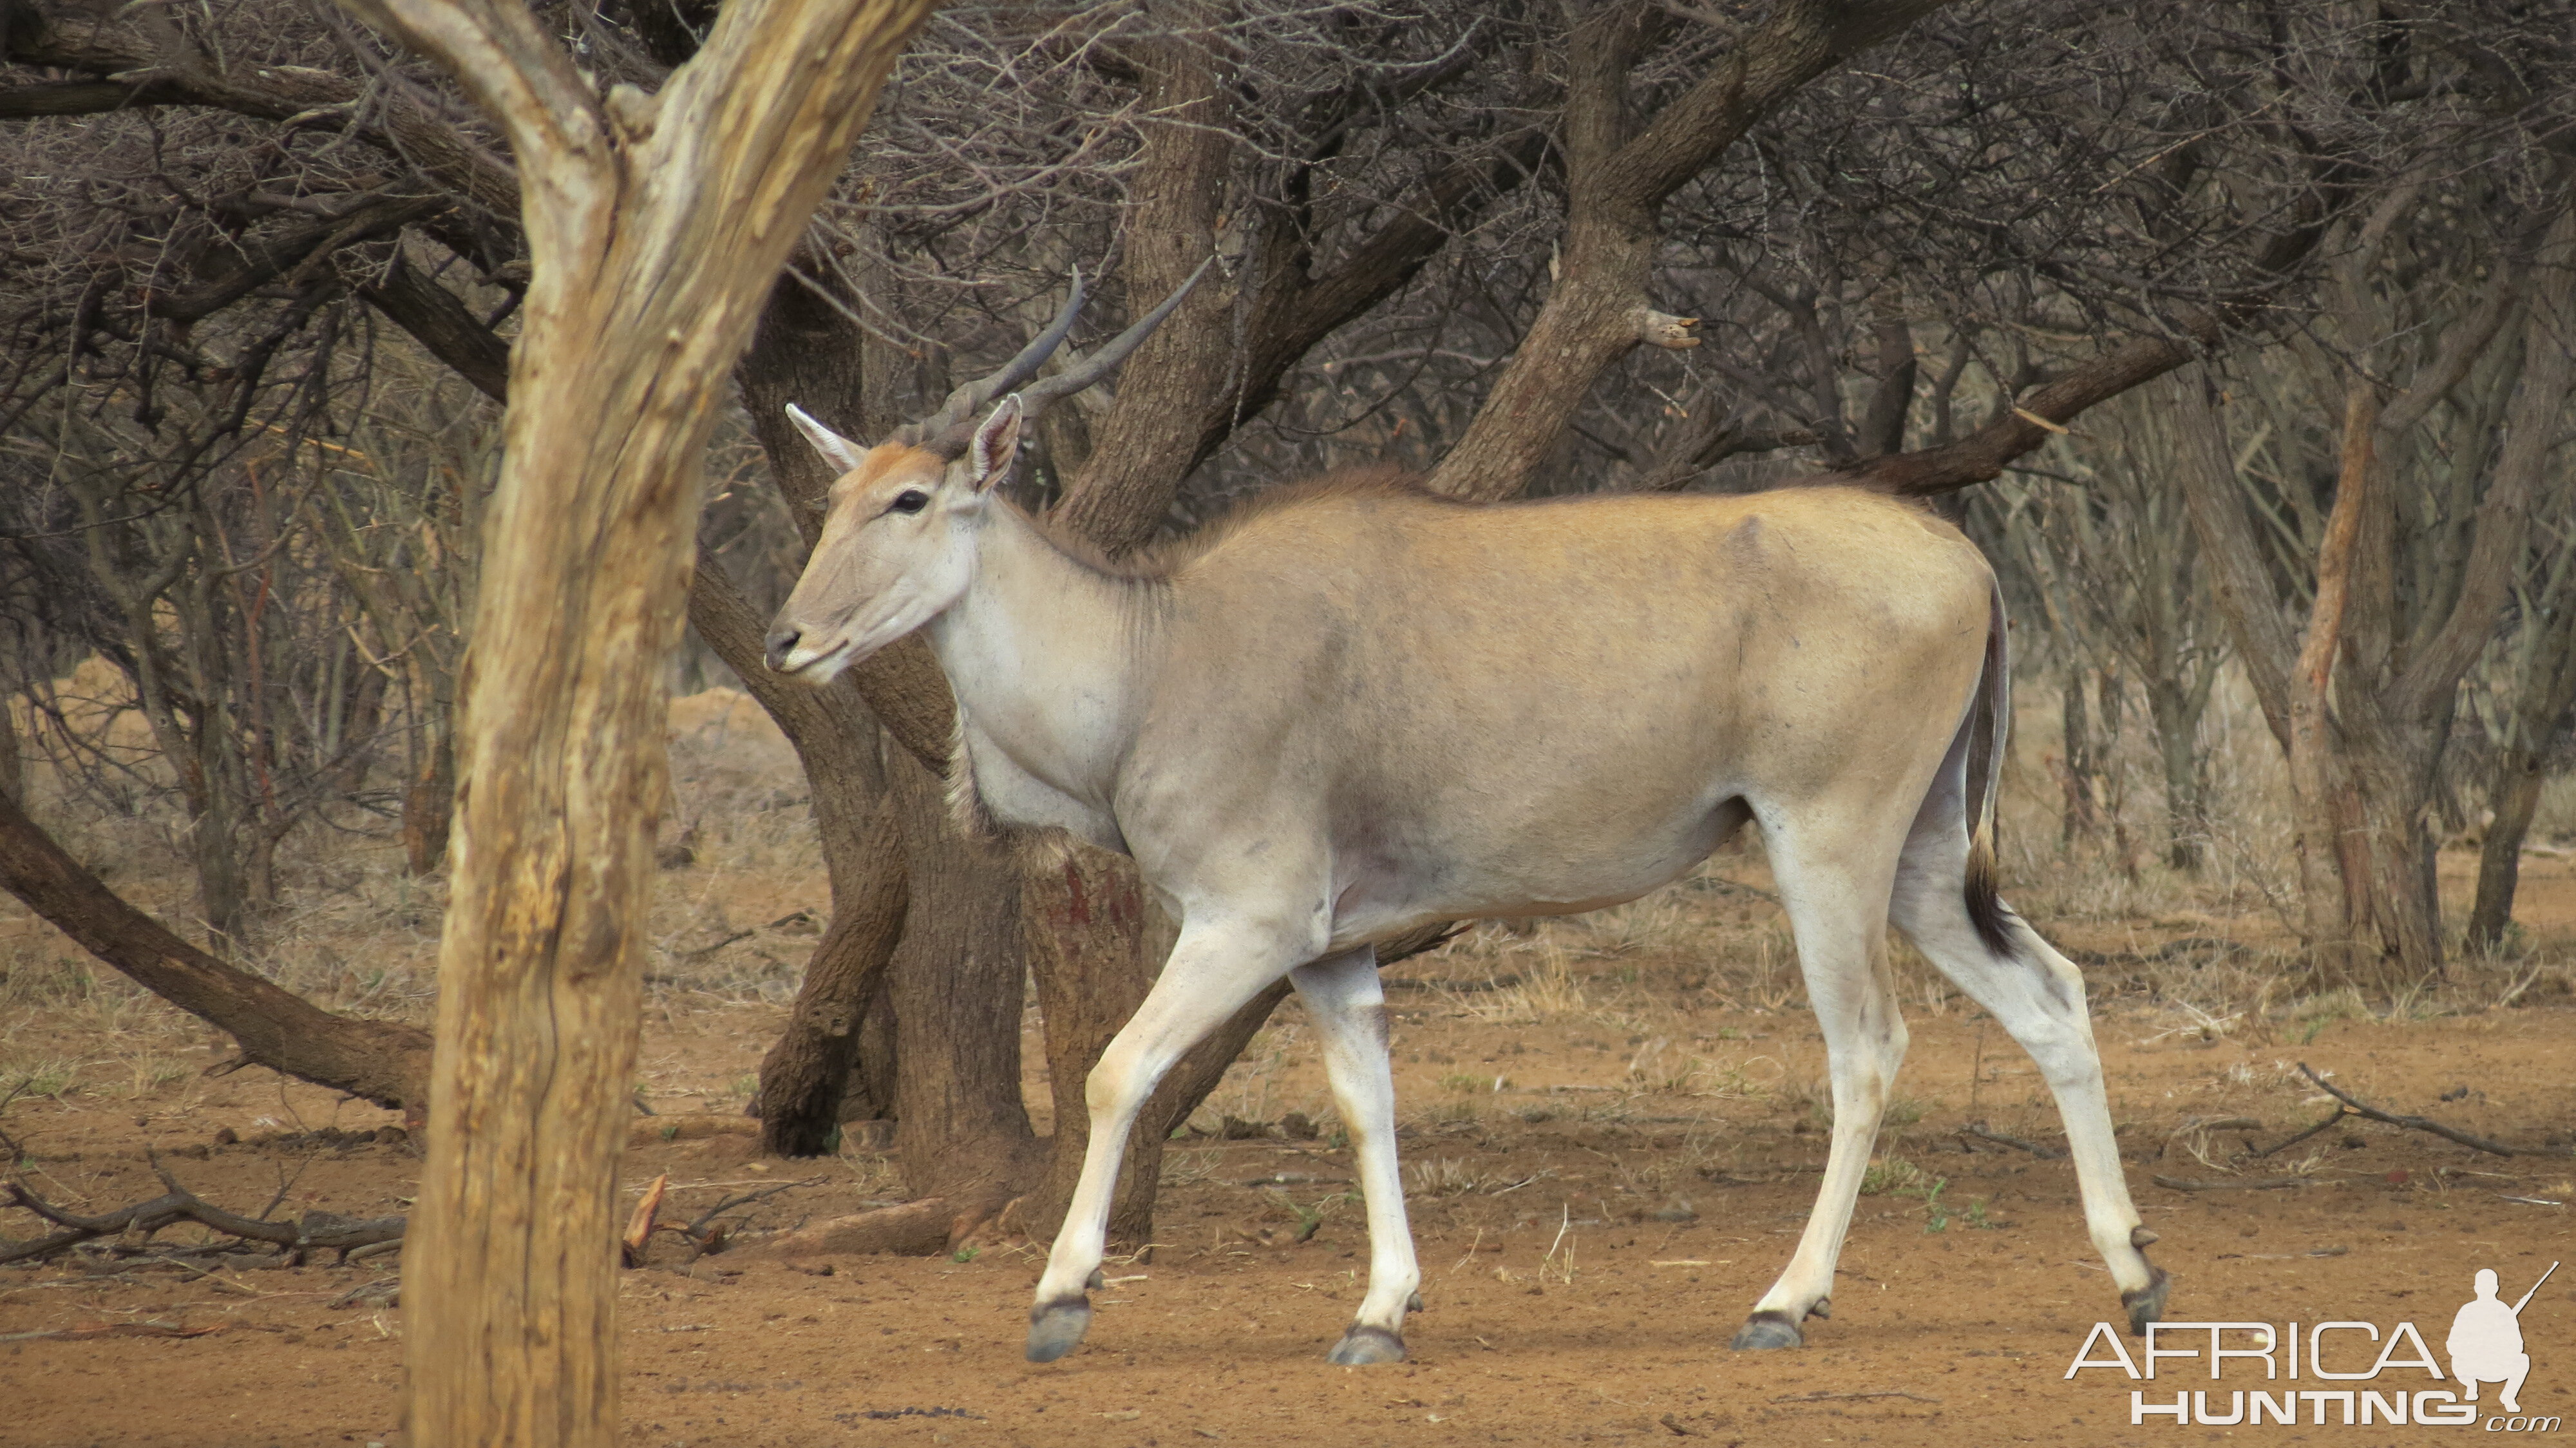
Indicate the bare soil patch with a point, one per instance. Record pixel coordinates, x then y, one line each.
1588 1246
1612 1129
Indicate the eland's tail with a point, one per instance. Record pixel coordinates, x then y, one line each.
1989 726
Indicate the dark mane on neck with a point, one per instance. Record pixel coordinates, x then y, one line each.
1163 557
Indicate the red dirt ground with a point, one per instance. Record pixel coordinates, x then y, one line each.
1966 1330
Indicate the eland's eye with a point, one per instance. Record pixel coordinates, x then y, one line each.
910 500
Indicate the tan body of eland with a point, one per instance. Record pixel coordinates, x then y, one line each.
1357 709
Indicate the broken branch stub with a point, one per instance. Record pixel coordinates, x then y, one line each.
1663 329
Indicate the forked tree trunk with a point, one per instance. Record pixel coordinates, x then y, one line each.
2362 700
1620 168
655 226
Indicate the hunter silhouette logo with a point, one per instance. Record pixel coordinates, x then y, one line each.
2363 1375
2486 1341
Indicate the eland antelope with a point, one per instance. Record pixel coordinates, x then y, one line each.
1355 708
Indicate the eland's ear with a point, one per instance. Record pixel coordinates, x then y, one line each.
997 443
837 450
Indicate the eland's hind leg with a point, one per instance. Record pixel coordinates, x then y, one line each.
2037 996
1212 971
1835 888
1349 1009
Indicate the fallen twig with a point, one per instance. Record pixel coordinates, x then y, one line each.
2260 1152
140 1221
1850 1397
694 1229
109 1329
2416 1123
2242 1184
704 1239
1979 1130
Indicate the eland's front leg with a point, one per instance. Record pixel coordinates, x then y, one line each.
1349 1009
1210 974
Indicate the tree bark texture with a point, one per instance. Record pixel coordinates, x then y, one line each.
1618 176
802 352
2362 702
385 1062
1222 357
655 226
2549 692
806 1075
960 1124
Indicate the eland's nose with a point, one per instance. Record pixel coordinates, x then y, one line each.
782 642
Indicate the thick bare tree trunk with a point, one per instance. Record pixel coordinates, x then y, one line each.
960 1125
806 1075
656 224
1619 173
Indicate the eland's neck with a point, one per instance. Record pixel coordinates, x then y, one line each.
1046 655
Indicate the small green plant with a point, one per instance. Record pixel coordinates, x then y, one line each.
1309 1219
54 1077
1894 1176
965 1254
1979 1220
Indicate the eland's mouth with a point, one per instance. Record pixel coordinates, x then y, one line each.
820 668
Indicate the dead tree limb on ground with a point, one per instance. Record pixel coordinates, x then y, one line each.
134 1225
2355 1106
386 1062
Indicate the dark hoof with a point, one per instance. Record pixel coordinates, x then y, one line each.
2147 1304
1414 1304
1056 1328
1767 1329
1364 1345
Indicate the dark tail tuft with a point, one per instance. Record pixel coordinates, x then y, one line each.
1986 910
1989 727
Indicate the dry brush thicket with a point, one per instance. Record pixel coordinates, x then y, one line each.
2238 339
